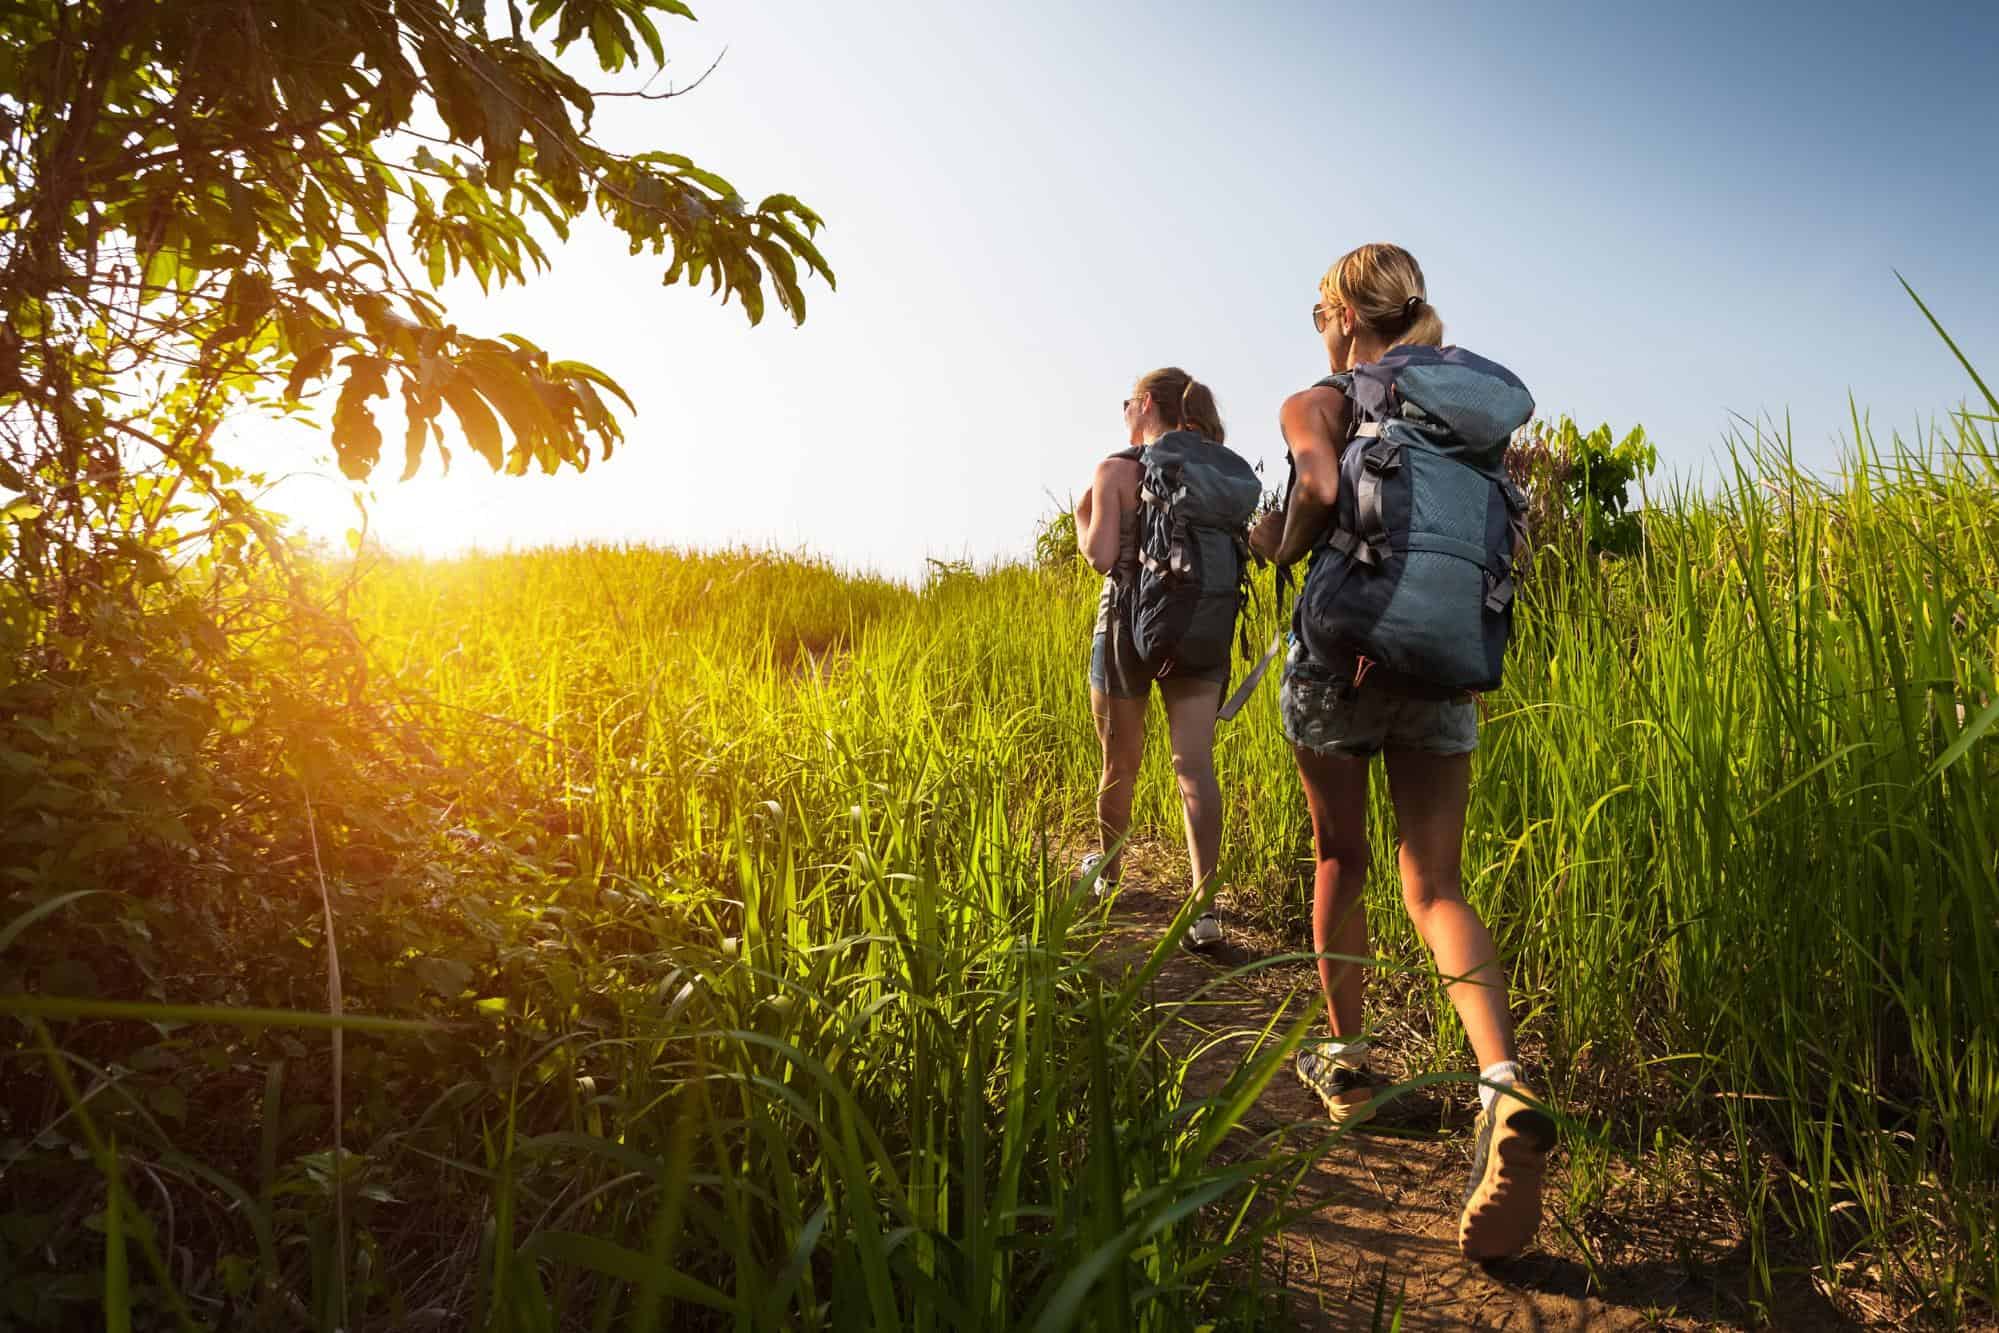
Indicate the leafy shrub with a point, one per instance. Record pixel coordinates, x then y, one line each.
1055 541
1579 486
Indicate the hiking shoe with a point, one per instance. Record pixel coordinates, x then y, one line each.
1204 934
1347 1091
1103 887
1510 1160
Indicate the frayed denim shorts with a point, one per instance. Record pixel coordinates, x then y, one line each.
1329 715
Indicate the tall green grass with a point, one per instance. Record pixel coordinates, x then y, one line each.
766 990
1735 822
1732 818
766 995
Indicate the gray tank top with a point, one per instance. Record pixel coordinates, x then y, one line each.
1123 573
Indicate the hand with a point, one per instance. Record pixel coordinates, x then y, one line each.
1267 535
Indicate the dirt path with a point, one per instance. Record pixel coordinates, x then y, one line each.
1384 1202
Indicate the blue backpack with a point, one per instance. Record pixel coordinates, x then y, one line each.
1195 498
1413 585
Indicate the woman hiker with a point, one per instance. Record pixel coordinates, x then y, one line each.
1339 709
1164 522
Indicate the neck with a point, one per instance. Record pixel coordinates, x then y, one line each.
1366 348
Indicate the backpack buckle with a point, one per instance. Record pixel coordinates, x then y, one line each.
1349 544
1382 457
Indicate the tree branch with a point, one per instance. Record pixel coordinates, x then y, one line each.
671 92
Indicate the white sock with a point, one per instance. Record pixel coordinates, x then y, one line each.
1504 1073
1352 1054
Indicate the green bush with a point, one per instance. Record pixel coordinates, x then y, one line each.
1579 487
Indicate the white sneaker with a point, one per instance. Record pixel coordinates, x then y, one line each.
1204 934
1102 887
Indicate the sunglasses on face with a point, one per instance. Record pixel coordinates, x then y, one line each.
1322 315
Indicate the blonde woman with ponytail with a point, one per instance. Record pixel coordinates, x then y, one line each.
1338 711
1170 415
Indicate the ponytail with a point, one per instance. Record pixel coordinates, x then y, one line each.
1198 412
1188 403
1383 286
1425 327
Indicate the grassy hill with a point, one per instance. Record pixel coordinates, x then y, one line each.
732 896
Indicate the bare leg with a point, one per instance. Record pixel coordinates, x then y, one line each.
1430 792
1191 706
1121 730
1336 795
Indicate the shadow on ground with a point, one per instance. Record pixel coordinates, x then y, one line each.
1379 1210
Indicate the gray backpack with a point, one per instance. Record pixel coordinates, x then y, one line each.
1195 498
1413 586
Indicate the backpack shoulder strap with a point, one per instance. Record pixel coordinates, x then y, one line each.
1381 458
1370 392
1370 396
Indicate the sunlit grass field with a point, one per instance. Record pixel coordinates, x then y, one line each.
759 996
1731 821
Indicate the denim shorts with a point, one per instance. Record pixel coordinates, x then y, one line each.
1331 716
1117 669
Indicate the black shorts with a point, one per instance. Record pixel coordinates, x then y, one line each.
1117 669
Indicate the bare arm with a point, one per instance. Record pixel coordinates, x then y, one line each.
1314 425
1100 512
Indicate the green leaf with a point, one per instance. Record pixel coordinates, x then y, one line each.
117 1275
66 1007
584 371
608 38
1967 738
13 928
168 1102
615 1261
357 440
419 410
447 978
1991 399
502 382
482 429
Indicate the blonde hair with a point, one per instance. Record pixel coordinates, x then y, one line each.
1383 285
1184 402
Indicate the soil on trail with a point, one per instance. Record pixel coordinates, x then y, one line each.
1383 1202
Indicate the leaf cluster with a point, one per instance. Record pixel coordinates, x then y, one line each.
1580 485
207 206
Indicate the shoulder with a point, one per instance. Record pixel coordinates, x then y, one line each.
1321 406
1117 470
1319 396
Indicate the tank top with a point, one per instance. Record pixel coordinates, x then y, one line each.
1123 573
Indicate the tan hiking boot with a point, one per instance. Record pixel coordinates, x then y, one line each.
1347 1090
1509 1163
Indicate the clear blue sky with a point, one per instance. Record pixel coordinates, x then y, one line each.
1657 214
